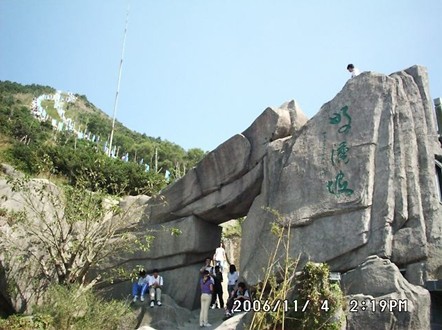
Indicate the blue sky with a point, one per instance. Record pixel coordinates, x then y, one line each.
197 72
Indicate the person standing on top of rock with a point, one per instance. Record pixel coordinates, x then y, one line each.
354 71
206 284
140 286
220 256
155 285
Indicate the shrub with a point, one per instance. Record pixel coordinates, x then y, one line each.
63 233
71 307
324 301
23 322
302 301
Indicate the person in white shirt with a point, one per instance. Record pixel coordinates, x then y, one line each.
139 287
354 71
220 256
155 286
232 279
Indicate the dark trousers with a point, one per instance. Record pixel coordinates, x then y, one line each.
218 291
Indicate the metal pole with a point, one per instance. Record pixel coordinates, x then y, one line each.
119 80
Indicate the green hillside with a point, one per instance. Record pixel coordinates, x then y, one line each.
36 148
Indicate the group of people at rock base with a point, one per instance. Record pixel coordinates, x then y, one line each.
148 283
212 290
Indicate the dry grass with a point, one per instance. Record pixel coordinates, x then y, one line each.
25 99
80 107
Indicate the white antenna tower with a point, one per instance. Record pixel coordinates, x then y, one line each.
118 85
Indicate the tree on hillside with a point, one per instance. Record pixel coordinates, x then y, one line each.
62 235
194 155
75 160
33 146
35 90
16 121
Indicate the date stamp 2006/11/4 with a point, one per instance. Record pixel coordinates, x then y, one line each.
354 305
275 305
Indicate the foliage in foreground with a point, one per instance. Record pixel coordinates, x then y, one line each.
305 300
70 307
26 322
324 301
62 235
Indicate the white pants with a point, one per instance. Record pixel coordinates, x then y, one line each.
152 292
206 299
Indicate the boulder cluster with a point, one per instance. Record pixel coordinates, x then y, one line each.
356 184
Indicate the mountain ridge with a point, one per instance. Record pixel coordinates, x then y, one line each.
20 131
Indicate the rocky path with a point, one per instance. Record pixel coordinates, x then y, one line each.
215 319
215 315
169 315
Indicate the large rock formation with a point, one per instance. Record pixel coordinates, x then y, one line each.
224 184
357 180
25 276
356 185
168 316
221 187
377 291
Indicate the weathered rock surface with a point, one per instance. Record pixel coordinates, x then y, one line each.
217 168
236 322
24 275
168 316
297 117
174 197
178 257
193 236
212 173
39 198
10 171
223 185
269 126
15 201
377 294
356 180
230 201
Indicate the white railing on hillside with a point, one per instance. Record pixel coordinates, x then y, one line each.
67 124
